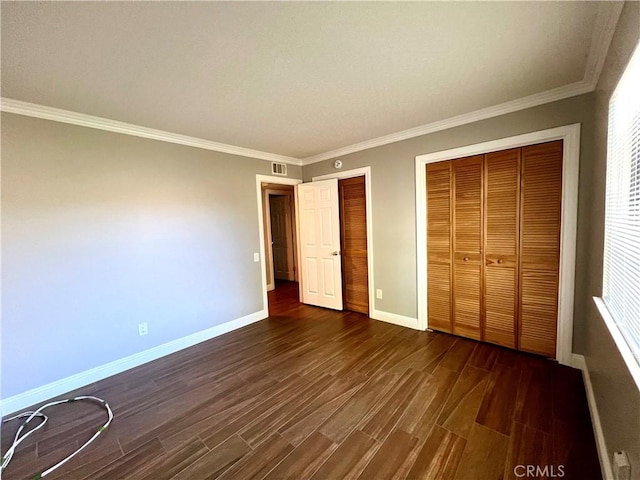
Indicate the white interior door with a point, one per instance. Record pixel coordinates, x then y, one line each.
319 230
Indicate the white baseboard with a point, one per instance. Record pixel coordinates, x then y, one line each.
394 318
578 361
45 392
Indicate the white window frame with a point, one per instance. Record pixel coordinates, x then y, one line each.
570 135
632 362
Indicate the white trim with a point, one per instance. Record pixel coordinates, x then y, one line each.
394 318
279 181
358 172
578 361
66 116
570 135
623 347
59 387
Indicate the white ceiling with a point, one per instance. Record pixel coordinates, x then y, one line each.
293 78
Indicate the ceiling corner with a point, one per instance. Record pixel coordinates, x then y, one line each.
606 22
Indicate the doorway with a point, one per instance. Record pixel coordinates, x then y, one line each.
355 246
279 235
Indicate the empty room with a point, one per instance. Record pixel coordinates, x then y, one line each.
320 240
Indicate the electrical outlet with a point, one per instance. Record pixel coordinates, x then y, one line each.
256 257
621 466
143 328
379 293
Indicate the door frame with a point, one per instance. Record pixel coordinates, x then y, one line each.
358 172
570 134
263 267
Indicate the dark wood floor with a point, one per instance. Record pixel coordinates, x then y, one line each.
312 393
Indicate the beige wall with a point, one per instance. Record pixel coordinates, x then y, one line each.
616 394
102 231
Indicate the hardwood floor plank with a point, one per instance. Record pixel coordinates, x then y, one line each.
130 463
457 356
569 397
439 456
484 455
305 459
484 356
427 358
260 429
304 422
528 446
175 461
216 462
497 408
85 465
349 459
580 459
262 460
422 412
383 422
359 407
186 426
395 457
219 431
459 412
534 405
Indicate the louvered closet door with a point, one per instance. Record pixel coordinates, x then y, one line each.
439 246
353 221
467 245
502 214
541 201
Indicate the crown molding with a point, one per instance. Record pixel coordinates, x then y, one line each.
566 91
74 118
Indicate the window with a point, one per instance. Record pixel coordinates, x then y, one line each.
621 280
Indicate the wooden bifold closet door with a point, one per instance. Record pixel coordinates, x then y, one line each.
467 247
493 246
501 223
540 213
353 227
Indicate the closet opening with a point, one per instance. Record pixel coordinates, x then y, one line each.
496 241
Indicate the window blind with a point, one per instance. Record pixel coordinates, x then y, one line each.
621 273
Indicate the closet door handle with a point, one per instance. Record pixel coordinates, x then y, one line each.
466 259
499 260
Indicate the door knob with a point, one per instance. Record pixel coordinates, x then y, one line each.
466 259
337 252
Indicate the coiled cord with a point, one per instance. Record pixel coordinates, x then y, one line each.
18 439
